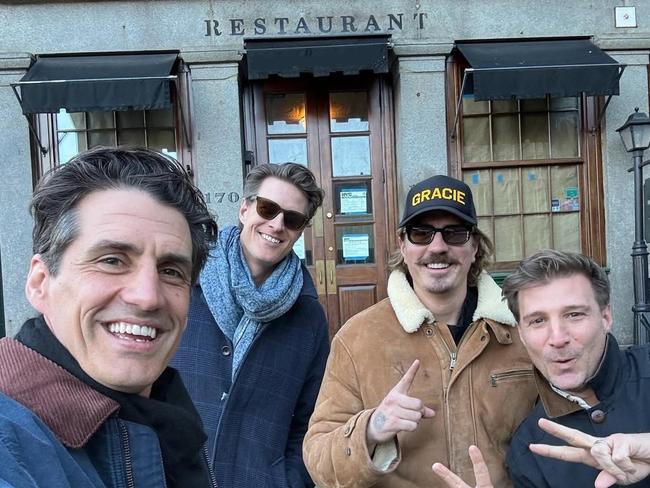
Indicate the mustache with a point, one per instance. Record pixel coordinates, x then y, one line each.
436 258
564 355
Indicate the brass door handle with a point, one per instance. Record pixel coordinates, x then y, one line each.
321 289
331 269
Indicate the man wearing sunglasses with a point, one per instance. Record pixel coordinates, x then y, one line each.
429 371
256 343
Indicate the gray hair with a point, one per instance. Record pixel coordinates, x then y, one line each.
298 175
548 264
58 193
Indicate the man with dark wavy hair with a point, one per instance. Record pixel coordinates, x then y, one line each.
428 371
86 398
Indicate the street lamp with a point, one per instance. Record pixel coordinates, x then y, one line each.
635 134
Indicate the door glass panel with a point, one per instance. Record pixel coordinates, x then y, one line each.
480 182
71 144
100 120
506 191
535 189
353 199
101 138
348 111
303 248
507 238
70 121
285 113
350 156
355 244
288 151
476 145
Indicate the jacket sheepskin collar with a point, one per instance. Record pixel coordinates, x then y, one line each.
411 313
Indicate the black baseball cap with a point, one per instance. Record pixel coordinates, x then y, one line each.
443 193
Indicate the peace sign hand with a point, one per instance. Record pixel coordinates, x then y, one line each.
481 472
397 412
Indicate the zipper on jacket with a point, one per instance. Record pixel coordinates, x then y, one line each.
452 362
520 373
213 479
126 447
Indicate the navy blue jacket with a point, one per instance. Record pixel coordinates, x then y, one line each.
256 424
622 385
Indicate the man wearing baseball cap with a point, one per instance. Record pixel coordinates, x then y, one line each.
429 371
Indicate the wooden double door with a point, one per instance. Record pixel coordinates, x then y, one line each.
340 129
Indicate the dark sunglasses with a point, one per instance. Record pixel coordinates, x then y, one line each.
268 209
453 235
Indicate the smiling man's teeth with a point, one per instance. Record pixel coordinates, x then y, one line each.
267 237
132 329
438 265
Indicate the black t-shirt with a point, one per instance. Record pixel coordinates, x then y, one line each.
466 314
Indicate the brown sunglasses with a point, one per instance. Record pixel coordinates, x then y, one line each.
268 209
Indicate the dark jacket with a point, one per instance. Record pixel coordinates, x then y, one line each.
57 431
256 424
622 384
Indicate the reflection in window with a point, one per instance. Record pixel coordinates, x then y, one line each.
348 111
355 244
79 131
353 198
285 113
288 151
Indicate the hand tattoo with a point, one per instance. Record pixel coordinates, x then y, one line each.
379 420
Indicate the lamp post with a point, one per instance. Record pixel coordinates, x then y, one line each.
635 134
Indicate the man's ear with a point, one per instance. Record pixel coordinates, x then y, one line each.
607 318
243 208
36 288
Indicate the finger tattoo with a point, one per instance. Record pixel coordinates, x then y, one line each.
379 420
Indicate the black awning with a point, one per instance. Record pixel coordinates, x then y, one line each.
533 69
98 83
318 56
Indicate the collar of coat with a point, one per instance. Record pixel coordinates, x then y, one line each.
411 313
70 408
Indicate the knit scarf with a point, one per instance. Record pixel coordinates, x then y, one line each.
239 307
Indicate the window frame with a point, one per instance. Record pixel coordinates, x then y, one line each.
589 162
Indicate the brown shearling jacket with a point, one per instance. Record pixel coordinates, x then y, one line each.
480 392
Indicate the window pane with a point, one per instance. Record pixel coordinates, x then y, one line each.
506 137
103 138
534 133
303 249
100 120
476 139
566 231
70 121
71 144
508 239
564 103
534 105
485 225
480 182
537 233
130 119
161 140
535 189
160 118
499 106
565 192
285 113
353 199
131 137
355 244
350 156
288 151
564 134
506 191
348 111
470 106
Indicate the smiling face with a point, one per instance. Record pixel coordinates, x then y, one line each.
267 242
564 331
438 268
119 300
